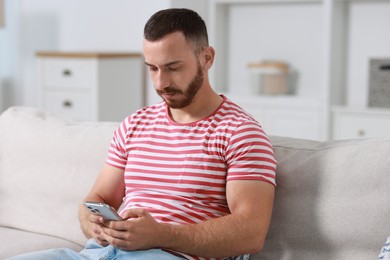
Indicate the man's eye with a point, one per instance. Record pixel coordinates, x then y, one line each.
173 68
152 68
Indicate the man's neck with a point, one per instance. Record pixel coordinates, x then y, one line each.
201 107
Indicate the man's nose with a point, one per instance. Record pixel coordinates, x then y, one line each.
162 80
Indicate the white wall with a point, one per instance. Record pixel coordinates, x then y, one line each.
8 57
69 25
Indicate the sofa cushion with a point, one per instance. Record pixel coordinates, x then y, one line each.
332 199
47 166
23 242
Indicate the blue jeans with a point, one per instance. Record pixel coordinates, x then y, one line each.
385 252
94 251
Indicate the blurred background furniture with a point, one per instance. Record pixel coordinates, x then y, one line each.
91 86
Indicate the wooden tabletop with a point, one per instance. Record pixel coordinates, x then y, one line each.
74 54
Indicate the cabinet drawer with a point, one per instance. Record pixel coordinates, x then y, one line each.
81 106
355 125
68 73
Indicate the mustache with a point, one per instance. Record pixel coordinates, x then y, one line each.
169 90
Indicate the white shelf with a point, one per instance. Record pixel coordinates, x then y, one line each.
327 42
362 110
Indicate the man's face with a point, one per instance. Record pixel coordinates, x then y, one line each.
176 72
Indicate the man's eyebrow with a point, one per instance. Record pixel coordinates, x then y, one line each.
147 64
167 64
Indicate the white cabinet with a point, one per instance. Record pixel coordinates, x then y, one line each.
281 116
91 86
327 43
360 123
295 122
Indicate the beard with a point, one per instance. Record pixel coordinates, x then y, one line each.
188 94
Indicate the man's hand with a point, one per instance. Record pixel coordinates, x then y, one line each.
138 231
96 225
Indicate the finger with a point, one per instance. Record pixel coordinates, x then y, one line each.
114 224
134 213
121 244
101 241
98 235
119 241
97 229
96 219
116 232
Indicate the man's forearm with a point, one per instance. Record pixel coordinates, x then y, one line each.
231 235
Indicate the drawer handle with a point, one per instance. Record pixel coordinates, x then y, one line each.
67 73
67 104
385 67
361 133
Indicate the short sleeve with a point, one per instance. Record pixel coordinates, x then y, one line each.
117 155
250 155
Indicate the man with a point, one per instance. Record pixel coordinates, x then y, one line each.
194 175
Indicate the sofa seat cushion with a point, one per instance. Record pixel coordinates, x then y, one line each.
24 241
47 166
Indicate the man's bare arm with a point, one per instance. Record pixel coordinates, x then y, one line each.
108 188
241 232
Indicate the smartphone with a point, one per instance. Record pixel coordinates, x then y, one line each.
102 209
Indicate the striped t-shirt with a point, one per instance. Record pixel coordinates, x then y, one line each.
178 172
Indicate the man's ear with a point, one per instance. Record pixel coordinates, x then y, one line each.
208 55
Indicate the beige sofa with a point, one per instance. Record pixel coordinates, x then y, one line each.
332 199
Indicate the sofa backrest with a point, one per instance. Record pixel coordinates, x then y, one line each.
47 166
332 200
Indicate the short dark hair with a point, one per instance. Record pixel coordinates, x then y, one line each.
172 20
